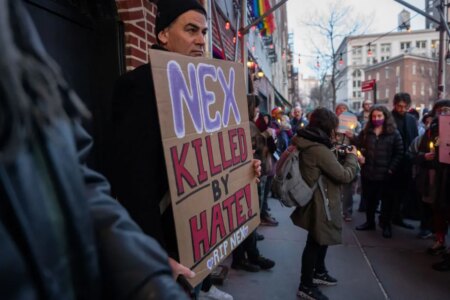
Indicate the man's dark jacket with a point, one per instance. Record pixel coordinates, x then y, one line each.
139 177
407 126
106 250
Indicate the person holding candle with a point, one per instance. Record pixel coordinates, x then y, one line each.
433 184
422 153
348 188
382 150
441 189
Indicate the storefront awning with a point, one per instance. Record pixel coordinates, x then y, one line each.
280 100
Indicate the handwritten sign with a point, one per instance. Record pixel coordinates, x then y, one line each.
202 109
444 139
347 122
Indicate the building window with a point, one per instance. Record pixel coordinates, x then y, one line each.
421 44
378 76
359 94
385 48
369 77
386 93
354 94
369 96
430 71
422 89
435 44
414 88
357 51
397 71
386 73
358 83
357 73
404 46
354 83
414 69
422 70
430 91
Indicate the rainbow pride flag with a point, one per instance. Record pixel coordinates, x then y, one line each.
259 7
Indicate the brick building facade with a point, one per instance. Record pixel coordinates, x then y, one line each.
413 74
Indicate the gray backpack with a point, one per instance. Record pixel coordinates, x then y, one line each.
288 184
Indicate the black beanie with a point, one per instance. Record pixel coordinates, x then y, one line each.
169 10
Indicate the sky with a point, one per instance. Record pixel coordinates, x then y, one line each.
379 16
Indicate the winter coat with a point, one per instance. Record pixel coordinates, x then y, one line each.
316 160
49 199
407 126
264 146
424 171
139 176
383 154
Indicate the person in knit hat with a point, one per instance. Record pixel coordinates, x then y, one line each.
138 178
181 27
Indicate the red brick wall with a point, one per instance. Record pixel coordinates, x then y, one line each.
138 17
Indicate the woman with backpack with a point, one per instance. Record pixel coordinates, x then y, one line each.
321 217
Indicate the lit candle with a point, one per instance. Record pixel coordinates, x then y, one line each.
431 147
358 153
352 126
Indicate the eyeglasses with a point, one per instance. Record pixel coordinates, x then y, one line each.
443 110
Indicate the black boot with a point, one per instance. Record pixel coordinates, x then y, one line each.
387 231
366 226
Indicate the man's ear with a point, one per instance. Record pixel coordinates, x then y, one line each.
163 36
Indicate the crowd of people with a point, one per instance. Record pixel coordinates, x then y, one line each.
50 196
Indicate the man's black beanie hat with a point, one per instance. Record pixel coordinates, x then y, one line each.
169 10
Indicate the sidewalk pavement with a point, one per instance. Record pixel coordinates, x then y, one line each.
367 266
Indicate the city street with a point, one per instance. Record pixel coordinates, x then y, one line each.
367 266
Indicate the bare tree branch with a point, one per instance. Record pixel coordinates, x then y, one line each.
333 26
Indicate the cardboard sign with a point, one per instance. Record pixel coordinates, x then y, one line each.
444 139
202 108
347 122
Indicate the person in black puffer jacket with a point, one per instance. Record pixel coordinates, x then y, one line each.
382 150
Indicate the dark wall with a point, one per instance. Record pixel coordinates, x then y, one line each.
85 39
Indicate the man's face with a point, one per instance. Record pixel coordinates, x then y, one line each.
297 112
340 109
367 105
401 107
186 35
444 110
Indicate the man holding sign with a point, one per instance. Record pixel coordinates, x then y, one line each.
141 163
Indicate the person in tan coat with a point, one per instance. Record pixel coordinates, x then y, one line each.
322 216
